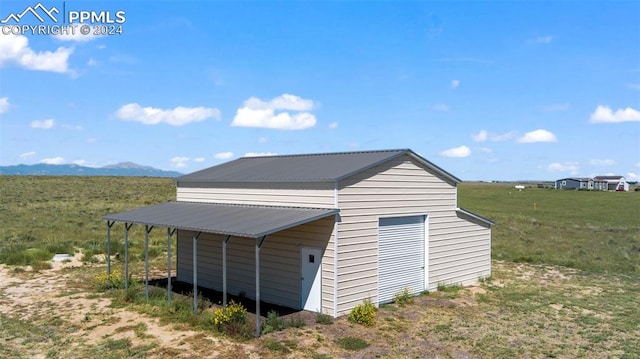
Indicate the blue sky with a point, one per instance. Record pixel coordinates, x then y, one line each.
486 90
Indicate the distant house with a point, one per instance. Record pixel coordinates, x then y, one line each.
573 183
614 183
598 183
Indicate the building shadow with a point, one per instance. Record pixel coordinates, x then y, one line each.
215 297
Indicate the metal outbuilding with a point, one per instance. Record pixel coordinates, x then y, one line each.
341 228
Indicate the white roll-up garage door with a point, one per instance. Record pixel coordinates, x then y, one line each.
401 242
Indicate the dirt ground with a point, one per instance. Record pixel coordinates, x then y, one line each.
52 313
44 296
80 321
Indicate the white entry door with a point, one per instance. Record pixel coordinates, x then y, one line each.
311 279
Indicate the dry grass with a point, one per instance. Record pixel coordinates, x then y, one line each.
536 309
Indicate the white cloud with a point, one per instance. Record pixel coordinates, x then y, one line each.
555 107
53 160
333 125
259 154
462 151
481 136
273 113
540 135
638 164
92 62
571 167
263 140
79 162
4 104
606 162
604 114
455 84
485 135
179 162
198 159
73 127
44 124
76 36
632 176
223 155
542 40
27 154
175 117
440 107
292 102
15 49
485 149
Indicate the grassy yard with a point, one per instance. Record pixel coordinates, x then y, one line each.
593 231
41 216
565 283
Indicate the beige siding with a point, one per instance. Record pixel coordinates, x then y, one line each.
461 249
320 195
279 263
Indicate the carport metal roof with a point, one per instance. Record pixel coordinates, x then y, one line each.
249 221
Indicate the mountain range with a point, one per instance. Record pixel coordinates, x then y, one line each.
120 169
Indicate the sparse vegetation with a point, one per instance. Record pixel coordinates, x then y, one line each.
531 306
404 297
325 319
46 215
280 347
352 343
273 323
232 320
364 314
594 231
105 281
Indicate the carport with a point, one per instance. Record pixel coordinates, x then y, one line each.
245 222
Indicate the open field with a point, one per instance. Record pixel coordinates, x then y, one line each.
566 283
590 230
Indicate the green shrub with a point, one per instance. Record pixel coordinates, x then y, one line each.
322 318
351 343
404 297
273 323
449 288
104 281
282 347
364 314
295 322
41 265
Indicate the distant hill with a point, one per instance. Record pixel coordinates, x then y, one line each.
120 169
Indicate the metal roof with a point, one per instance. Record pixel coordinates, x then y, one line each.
320 167
476 216
236 220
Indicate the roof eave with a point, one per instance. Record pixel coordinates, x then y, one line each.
476 216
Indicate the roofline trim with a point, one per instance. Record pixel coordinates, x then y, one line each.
401 152
329 212
431 165
413 155
295 224
476 216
